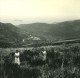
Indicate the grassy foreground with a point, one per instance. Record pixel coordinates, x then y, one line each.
62 61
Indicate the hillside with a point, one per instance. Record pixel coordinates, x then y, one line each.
12 36
54 32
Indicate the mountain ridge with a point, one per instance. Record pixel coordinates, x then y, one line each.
12 36
54 32
38 33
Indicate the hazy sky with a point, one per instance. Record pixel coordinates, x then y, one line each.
29 11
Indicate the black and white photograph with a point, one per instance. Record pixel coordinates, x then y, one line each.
39 38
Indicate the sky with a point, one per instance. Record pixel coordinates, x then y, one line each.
45 11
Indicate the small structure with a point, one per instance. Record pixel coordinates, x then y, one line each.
17 59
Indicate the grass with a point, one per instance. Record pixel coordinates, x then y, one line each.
62 61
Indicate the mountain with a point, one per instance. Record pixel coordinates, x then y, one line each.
38 29
54 32
12 36
37 33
